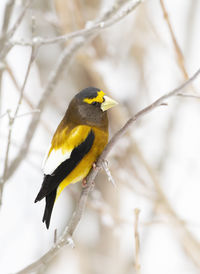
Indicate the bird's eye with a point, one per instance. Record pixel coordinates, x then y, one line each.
94 103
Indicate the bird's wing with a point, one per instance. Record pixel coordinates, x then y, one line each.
81 139
62 146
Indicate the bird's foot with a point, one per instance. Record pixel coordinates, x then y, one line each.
84 183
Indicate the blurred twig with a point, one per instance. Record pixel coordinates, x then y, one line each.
7 15
181 65
66 237
179 54
137 241
109 175
11 123
5 46
189 243
188 95
96 26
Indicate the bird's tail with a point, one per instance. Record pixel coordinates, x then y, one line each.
50 199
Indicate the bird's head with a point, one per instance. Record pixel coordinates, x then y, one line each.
89 106
96 98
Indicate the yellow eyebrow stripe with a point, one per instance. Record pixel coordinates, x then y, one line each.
98 98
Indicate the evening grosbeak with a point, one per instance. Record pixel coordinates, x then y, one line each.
77 143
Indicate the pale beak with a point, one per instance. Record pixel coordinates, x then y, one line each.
108 103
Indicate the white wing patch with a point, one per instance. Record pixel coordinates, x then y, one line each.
54 160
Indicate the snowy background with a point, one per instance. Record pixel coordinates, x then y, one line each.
155 165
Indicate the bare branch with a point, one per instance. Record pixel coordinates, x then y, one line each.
19 19
2 180
11 123
28 113
137 241
15 82
55 236
110 177
4 114
179 54
7 15
5 46
69 230
94 27
188 95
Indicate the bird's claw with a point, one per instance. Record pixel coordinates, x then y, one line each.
84 183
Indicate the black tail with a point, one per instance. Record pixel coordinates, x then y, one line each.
50 199
46 188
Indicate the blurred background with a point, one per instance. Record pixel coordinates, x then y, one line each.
150 51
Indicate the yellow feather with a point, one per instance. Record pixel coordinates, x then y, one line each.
83 168
98 99
67 139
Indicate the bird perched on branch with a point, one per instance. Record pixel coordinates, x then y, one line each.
77 143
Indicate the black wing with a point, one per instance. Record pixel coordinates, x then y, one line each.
51 182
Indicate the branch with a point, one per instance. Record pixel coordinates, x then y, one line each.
5 46
66 237
7 15
11 124
137 241
179 54
12 31
108 173
188 95
105 21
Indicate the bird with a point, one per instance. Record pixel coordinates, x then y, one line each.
77 143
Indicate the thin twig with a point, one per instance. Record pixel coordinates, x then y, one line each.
19 19
189 243
4 114
11 123
5 46
94 27
178 51
2 180
181 64
188 95
24 83
110 177
137 241
7 15
16 84
69 230
55 236
28 113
